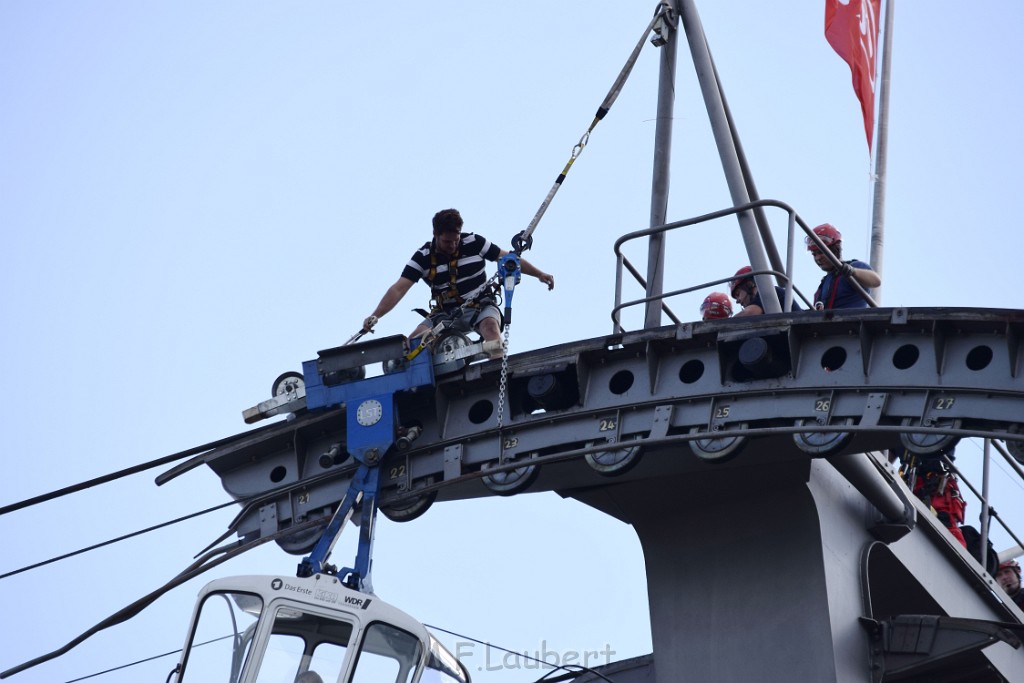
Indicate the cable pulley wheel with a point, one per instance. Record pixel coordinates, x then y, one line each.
924 443
510 482
408 510
718 449
287 383
822 443
613 462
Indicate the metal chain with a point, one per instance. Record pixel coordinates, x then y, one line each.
504 376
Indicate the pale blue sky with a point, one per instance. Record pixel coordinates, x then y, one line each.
197 196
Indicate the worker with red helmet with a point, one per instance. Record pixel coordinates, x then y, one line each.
744 290
716 306
1008 578
835 291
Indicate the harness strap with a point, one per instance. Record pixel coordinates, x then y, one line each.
835 287
451 294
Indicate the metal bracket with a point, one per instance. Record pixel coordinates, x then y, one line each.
286 403
873 409
907 646
452 461
268 519
662 421
667 20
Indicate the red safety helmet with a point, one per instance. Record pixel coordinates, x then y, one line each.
827 233
716 305
1009 564
737 280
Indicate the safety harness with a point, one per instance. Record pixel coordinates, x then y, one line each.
443 297
833 287
447 300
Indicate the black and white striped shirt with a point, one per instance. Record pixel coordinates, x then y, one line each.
470 269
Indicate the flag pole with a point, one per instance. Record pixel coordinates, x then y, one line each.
881 149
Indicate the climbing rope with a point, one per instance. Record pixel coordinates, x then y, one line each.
524 240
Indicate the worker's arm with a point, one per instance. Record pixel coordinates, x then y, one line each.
388 301
752 309
532 270
865 277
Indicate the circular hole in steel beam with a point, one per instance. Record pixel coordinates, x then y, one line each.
979 357
905 356
833 359
621 382
691 371
481 411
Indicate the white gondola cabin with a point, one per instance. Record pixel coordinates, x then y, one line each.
275 629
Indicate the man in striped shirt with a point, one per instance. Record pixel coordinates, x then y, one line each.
453 265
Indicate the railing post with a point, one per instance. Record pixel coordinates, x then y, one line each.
617 325
986 458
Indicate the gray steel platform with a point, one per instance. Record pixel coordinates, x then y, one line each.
721 442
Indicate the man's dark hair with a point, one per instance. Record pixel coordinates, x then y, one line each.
447 220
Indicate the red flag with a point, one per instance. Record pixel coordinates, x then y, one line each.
851 28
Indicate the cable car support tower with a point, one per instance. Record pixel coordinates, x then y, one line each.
745 452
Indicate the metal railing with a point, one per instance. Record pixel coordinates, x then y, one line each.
988 513
784 278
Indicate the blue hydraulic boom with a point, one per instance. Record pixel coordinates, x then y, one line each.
372 422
